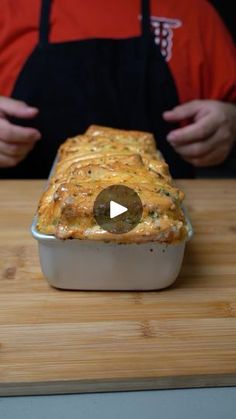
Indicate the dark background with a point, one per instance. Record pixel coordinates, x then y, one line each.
227 11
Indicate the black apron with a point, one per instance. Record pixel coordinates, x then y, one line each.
121 83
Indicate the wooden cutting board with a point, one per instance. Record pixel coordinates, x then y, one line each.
55 341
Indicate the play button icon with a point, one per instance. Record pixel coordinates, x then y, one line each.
117 209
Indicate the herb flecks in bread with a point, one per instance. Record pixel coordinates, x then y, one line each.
100 158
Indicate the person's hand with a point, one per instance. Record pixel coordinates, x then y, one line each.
209 137
15 141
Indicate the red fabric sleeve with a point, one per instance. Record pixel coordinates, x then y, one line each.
219 70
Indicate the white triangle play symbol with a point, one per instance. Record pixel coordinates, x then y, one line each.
116 209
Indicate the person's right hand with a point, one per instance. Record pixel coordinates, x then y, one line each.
15 141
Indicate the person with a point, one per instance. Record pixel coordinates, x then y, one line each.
169 69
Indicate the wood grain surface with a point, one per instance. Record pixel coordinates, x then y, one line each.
54 341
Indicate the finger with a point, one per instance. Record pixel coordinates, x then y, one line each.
9 161
195 150
217 156
199 148
186 110
17 108
196 131
14 133
15 150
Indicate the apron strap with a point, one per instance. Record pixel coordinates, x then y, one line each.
44 25
146 31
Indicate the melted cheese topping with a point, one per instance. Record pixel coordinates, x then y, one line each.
100 158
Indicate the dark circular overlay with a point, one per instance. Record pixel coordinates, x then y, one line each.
122 195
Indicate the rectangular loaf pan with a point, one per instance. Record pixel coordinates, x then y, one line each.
95 265
92 265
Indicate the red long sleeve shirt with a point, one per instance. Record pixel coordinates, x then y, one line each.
192 37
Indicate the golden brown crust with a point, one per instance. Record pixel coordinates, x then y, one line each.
103 157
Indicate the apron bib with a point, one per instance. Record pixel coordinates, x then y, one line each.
121 83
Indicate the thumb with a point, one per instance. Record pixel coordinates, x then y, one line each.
187 110
17 108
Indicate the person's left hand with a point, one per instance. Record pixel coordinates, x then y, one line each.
210 136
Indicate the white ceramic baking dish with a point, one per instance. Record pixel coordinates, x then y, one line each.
95 265
92 265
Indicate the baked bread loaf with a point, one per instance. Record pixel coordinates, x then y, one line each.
100 158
